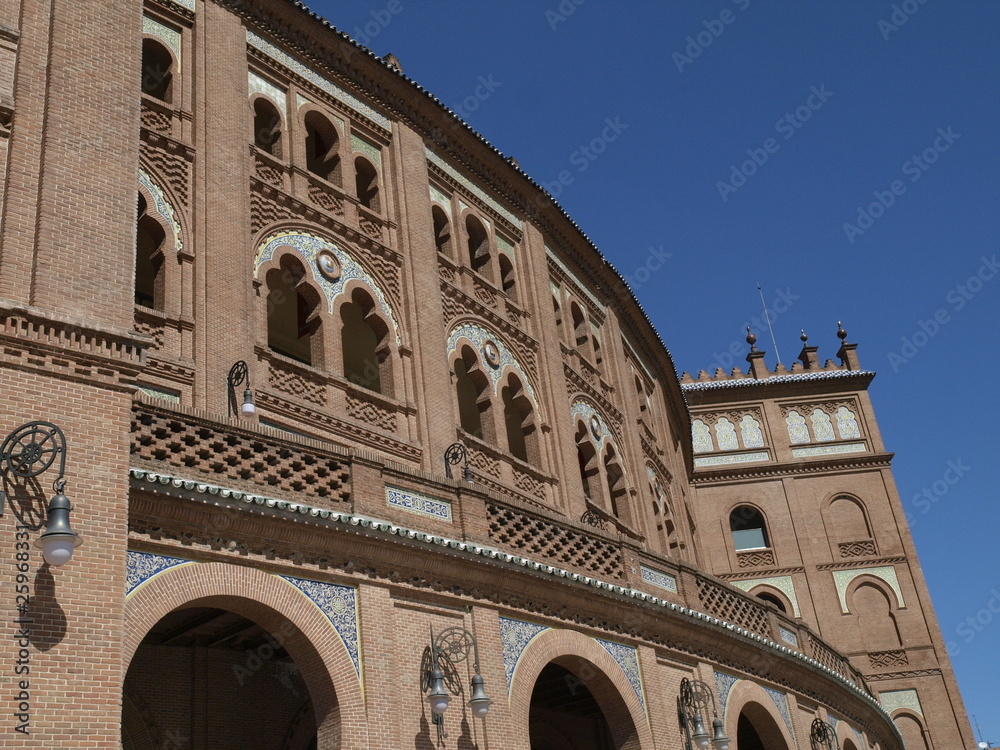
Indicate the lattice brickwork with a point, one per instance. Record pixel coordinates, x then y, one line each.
732 607
326 200
864 548
829 658
296 384
756 559
527 483
537 537
370 413
881 659
180 442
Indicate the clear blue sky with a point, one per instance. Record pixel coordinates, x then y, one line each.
864 99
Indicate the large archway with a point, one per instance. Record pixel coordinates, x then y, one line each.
207 677
752 719
568 692
239 632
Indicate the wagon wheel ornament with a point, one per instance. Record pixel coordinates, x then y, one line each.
33 448
695 694
822 735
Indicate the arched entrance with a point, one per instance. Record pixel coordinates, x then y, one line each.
243 637
208 677
756 729
564 714
753 719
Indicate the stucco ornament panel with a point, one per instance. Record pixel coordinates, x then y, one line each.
258 85
797 430
309 247
782 583
598 428
701 436
515 635
752 436
340 606
162 206
842 579
141 567
822 427
366 147
894 699
726 435
495 354
628 659
847 424
472 187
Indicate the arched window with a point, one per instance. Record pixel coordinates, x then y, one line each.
322 147
596 338
615 478
366 183
641 393
149 282
292 313
847 517
507 281
479 246
472 389
875 617
442 230
267 127
157 71
772 599
518 417
590 472
749 529
663 517
912 732
580 333
364 339
557 311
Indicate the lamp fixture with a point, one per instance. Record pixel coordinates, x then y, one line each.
27 452
694 699
455 455
451 647
239 373
822 735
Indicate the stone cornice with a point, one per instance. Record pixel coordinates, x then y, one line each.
741 472
865 562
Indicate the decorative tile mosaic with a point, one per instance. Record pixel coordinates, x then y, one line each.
584 410
551 254
847 424
701 435
797 430
842 579
827 450
515 635
317 80
309 247
788 636
782 583
724 684
822 427
151 390
339 604
725 433
833 721
189 4
367 148
894 699
732 458
438 197
506 247
414 502
473 188
781 701
861 738
141 566
658 578
750 429
258 85
162 206
479 336
166 34
628 659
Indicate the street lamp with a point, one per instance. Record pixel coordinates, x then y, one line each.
451 647
238 374
693 700
27 452
822 735
455 455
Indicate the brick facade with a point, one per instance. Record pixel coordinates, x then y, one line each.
394 287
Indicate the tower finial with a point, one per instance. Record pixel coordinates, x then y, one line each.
751 339
803 337
841 333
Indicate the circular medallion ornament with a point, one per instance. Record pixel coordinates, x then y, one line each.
328 265
338 605
595 426
492 353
